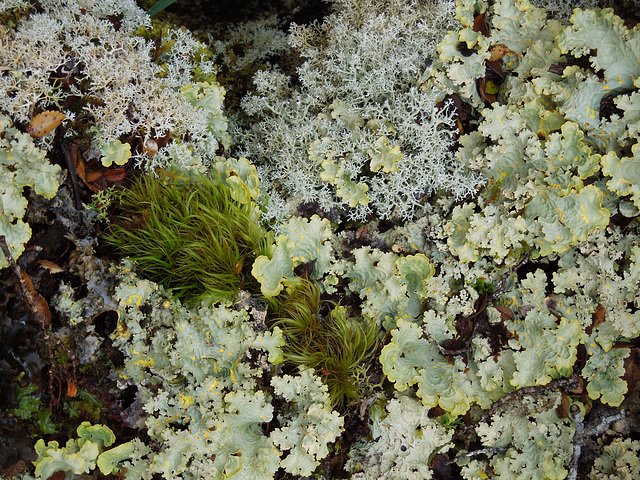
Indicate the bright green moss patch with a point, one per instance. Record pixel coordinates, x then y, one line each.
189 234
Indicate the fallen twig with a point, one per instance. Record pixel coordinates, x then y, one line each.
475 453
558 384
578 440
581 433
503 279
603 426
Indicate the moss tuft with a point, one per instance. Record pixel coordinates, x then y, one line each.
190 235
337 347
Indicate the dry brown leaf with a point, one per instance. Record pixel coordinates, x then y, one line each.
42 310
562 410
551 302
498 52
304 270
505 313
114 175
44 123
621 345
480 25
91 177
482 88
72 390
632 371
49 265
28 282
578 389
59 475
80 167
361 233
597 318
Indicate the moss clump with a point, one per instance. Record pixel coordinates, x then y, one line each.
335 346
190 235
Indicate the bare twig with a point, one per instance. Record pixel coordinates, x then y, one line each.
26 293
578 440
73 173
582 432
603 426
559 384
503 279
475 453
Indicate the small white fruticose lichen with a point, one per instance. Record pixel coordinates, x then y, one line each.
92 46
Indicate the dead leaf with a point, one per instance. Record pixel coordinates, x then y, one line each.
632 371
238 266
562 410
558 68
44 123
498 52
578 389
42 310
482 89
551 302
59 475
87 172
49 265
480 25
621 345
441 467
80 165
435 412
91 177
505 313
40 305
597 318
72 390
494 70
28 283
114 175
361 233
304 270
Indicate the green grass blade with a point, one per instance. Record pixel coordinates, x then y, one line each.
159 6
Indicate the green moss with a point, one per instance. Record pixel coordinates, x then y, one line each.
190 235
31 410
482 286
335 346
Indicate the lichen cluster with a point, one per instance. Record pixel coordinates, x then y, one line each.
429 230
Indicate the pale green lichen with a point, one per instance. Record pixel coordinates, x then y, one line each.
22 164
202 369
301 241
492 304
620 461
115 152
82 455
362 131
405 438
